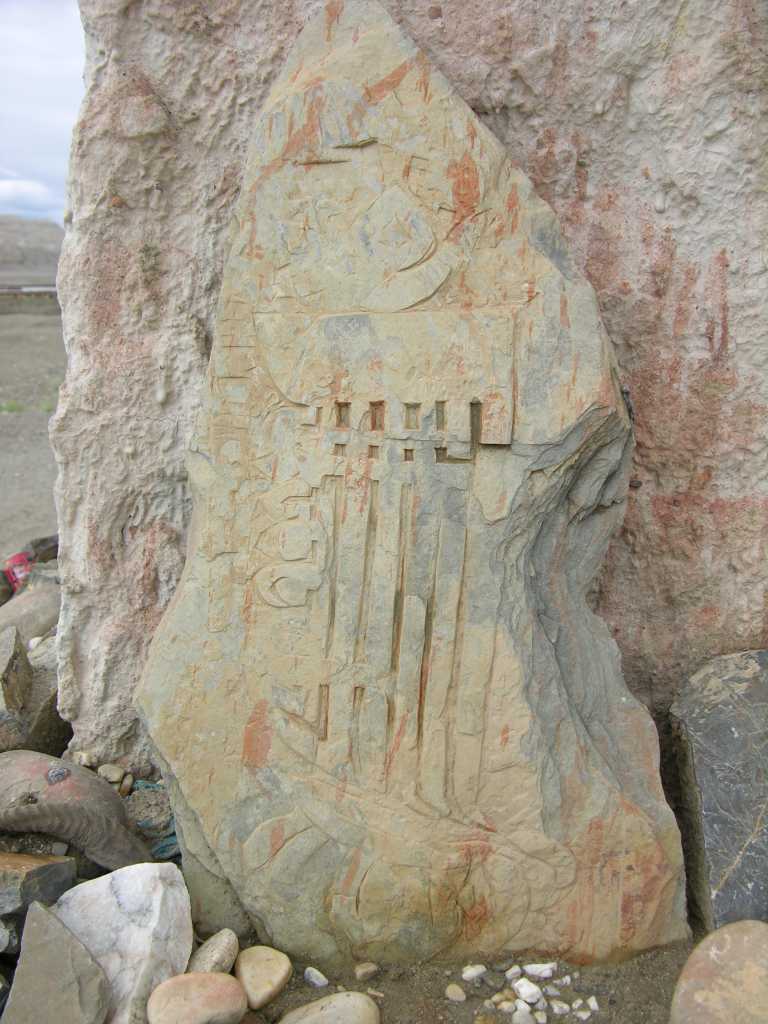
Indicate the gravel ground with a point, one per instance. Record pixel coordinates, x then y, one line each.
32 365
638 991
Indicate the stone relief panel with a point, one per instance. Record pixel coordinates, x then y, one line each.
390 715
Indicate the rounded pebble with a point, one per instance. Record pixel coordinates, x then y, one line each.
125 787
455 993
314 977
473 971
263 972
365 971
197 999
111 772
342 1008
725 978
216 954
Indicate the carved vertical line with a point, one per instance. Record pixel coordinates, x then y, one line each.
370 550
402 568
322 712
458 647
357 703
426 654
336 488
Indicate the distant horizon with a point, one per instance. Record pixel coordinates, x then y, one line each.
41 88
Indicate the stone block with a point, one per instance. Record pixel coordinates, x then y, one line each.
721 723
26 877
396 728
57 979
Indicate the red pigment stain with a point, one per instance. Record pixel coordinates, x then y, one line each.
392 754
276 838
466 191
476 918
424 73
564 318
349 878
684 299
257 737
376 93
333 11
505 736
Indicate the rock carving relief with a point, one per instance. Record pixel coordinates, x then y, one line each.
415 734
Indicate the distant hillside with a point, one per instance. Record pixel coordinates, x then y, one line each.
29 251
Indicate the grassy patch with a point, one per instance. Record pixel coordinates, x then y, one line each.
11 406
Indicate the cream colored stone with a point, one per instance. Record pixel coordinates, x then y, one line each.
263 972
341 1008
455 993
204 998
412 455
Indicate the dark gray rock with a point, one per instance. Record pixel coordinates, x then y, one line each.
721 723
57 978
25 877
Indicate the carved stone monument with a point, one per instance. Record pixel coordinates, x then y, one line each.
394 727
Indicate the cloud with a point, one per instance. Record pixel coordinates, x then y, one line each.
41 62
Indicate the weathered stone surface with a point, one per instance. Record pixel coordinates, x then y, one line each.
26 877
342 1008
34 609
725 978
57 979
263 972
216 954
46 731
722 724
46 794
412 456
642 127
207 998
15 670
136 924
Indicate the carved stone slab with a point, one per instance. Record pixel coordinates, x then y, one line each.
722 719
395 728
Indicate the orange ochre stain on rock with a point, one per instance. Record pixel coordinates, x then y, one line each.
257 736
276 838
466 191
333 11
351 874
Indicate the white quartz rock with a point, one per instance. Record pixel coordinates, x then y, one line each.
582 1014
540 1017
137 926
558 1007
593 1004
315 978
540 970
473 971
527 990
523 1015
513 973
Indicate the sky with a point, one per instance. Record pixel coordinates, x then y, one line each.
41 86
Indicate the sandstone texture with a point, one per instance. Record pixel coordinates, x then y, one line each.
722 723
57 979
136 925
411 457
725 978
643 125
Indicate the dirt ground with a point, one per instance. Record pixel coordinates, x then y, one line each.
32 365
638 991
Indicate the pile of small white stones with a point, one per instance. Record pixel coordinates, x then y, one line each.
530 993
